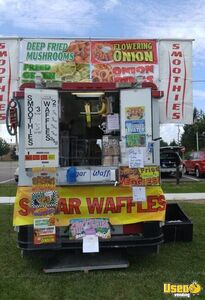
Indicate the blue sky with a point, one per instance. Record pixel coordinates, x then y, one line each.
113 18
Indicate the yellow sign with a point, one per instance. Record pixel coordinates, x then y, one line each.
111 202
149 175
182 290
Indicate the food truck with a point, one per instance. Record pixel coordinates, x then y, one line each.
89 175
89 163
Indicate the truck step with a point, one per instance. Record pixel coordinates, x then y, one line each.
69 262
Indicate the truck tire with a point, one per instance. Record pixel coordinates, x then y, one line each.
185 170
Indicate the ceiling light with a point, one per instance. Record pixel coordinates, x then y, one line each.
88 94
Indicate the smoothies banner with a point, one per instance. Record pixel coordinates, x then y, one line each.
176 81
115 203
9 59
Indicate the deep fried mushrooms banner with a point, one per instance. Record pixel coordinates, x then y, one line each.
56 60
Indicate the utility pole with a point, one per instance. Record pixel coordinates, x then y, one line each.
196 120
178 134
197 141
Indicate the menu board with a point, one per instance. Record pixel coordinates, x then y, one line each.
41 127
41 118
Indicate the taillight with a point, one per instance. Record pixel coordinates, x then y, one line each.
133 228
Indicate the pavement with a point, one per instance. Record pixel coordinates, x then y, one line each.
185 196
7 169
168 197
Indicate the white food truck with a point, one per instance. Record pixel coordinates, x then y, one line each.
88 113
89 167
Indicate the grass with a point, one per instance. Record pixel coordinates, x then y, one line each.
176 263
183 187
7 190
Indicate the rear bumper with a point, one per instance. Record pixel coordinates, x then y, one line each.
152 236
168 170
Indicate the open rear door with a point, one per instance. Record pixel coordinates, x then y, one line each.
137 123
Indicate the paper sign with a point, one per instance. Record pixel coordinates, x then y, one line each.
105 138
136 158
135 113
138 193
90 244
135 126
149 175
135 140
44 223
44 236
113 122
44 196
83 227
44 231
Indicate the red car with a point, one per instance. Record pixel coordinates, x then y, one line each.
195 164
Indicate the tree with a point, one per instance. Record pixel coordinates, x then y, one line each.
189 136
14 156
4 147
173 143
163 143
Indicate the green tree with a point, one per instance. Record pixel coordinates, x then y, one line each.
4 147
163 143
14 156
189 135
173 143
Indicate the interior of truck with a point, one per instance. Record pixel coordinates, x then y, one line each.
83 124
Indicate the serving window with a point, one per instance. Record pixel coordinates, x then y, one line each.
89 129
